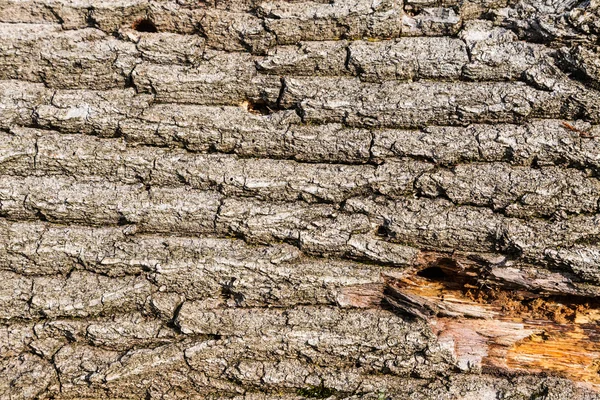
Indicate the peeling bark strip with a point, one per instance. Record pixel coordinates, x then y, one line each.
505 318
285 199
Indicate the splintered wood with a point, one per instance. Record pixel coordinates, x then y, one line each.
505 318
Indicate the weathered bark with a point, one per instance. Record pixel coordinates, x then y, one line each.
299 199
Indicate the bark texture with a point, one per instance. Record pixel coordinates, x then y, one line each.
294 199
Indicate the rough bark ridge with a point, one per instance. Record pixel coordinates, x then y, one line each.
299 199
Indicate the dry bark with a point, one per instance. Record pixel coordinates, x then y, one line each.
291 199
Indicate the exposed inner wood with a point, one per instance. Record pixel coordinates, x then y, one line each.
492 323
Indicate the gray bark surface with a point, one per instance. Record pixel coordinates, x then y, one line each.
209 199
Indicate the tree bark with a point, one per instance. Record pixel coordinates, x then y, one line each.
279 199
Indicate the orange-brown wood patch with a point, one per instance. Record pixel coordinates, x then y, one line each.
492 323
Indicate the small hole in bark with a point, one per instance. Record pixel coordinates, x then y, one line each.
90 20
41 216
259 107
433 273
384 230
144 25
